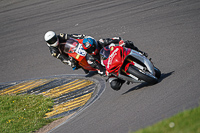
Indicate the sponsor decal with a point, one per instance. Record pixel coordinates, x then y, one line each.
111 57
80 50
111 49
77 56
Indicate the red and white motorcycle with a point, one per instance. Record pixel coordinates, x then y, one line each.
129 65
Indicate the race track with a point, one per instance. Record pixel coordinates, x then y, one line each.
169 31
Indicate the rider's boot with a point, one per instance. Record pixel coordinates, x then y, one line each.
86 71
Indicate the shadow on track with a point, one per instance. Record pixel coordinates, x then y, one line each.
163 76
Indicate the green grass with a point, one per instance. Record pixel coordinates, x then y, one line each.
23 113
185 122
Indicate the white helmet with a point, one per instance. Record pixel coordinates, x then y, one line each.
51 38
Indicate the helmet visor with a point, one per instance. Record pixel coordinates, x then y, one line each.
53 40
91 49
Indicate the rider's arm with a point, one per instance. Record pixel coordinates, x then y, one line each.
108 41
64 37
129 44
95 63
56 53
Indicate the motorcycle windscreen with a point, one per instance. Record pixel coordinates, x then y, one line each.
70 46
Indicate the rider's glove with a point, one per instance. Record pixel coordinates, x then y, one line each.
70 63
64 59
73 62
145 54
101 73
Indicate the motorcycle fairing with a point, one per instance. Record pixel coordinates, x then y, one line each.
115 59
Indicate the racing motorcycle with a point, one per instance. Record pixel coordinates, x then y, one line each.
128 65
73 47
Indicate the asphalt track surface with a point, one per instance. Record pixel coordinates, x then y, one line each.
168 30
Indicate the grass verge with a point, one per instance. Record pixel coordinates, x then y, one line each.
184 122
23 113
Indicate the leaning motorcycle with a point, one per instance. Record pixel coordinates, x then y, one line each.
128 65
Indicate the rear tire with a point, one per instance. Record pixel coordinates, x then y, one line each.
142 76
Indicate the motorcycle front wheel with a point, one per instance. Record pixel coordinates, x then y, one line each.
158 72
142 75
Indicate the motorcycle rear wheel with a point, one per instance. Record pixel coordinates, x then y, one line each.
145 76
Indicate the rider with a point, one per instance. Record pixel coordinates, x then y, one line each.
92 47
54 41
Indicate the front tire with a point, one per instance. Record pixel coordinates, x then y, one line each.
158 72
145 76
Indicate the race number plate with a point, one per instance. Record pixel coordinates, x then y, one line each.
80 50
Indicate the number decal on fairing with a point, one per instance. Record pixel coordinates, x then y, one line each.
80 50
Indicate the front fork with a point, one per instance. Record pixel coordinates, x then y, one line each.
129 61
130 77
133 63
